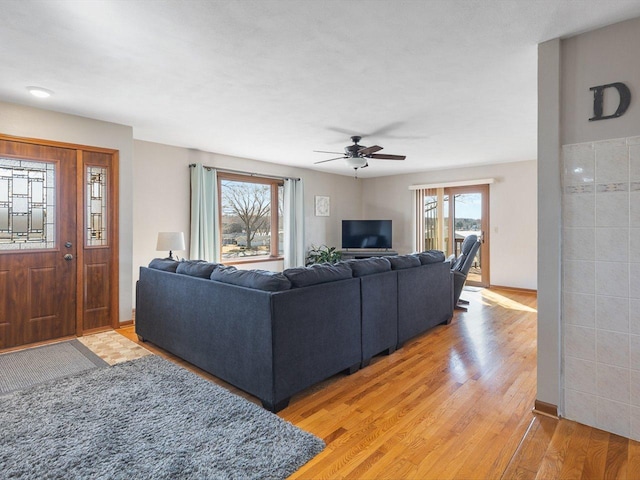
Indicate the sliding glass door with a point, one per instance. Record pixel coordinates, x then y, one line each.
450 215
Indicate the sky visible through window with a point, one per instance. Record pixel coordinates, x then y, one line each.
246 219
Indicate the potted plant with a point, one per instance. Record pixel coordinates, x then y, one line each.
323 254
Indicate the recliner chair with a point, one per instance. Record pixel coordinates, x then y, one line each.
460 268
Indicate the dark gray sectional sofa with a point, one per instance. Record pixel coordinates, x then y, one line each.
275 334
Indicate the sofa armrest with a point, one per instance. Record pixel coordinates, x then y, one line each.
223 329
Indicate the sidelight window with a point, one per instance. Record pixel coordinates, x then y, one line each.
96 221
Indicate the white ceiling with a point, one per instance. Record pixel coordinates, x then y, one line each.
446 82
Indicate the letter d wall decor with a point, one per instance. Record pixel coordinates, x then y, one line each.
598 98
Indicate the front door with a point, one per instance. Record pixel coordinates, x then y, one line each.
58 240
37 242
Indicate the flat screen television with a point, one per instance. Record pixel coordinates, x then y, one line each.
366 234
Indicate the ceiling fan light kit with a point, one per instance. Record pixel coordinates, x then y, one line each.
357 162
357 156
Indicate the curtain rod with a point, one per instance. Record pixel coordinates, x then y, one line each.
249 174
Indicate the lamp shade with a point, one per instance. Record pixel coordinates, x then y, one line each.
170 241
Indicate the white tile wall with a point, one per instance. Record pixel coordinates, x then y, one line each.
612 348
579 375
634 388
612 209
635 422
579 209
601 284
612 383
614 417
612 313
612 244
579 276
634 163
612 161
634 208
634 314
580 309
582 407
578 243
634 352
580 342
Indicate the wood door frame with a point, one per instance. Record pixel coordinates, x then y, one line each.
113 232
483 189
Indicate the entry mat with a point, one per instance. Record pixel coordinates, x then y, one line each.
33 366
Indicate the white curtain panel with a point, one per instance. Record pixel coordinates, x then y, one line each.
418 220
205 238
294 253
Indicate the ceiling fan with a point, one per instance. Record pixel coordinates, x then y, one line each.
357 156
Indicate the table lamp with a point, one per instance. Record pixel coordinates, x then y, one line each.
170 241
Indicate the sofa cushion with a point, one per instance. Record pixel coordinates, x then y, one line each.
400 262
431 256
320 273
369 266
196 268
165 264
257 279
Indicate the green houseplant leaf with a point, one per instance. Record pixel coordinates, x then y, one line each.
323 254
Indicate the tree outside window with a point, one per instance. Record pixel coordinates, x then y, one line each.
250 226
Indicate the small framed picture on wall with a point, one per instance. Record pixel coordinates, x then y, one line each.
323 206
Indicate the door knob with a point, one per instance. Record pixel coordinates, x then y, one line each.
68 257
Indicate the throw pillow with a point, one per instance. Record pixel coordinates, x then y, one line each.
431 256
369 266
165 264
320 273
257 279
400 262
196 268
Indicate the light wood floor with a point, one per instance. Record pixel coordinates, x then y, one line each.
453 403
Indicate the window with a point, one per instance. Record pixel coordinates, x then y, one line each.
96 209
250 217
27 204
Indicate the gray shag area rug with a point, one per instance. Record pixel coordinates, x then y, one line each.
33 366
145 419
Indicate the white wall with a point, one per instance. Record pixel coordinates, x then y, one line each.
162 190
43 124
600 57
549 222
513 214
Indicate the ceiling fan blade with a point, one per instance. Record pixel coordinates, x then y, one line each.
324 151
382 131
369 150
382 156
330 160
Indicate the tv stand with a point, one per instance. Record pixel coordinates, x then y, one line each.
356 254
